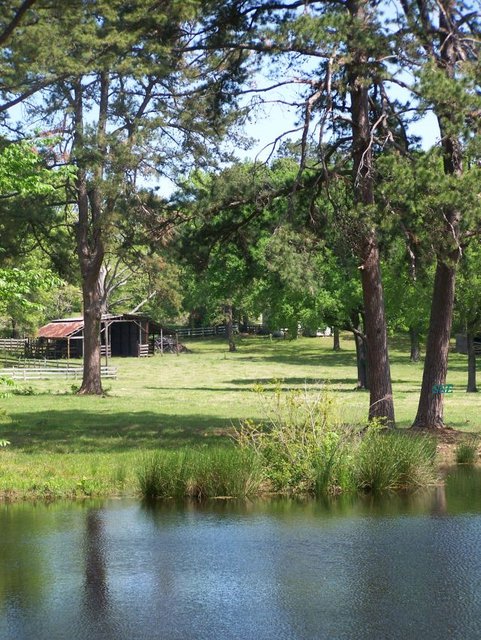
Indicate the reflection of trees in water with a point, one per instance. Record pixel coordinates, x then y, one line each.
96 591
393 569
439 505
23 575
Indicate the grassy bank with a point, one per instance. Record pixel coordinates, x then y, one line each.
62 444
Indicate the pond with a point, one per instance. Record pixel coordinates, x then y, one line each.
351 568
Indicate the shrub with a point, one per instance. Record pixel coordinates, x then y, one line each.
467 452
391 460
301 442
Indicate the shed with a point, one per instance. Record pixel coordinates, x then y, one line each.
130 335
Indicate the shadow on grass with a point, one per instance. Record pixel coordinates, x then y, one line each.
84 431
272 383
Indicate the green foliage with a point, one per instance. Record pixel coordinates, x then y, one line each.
467 451
7 386
23 171
391 461
468 290
301 442
25 293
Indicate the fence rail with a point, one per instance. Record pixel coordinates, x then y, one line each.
145 350
200 332
44 373
13 346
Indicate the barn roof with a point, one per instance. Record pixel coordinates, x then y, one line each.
61 329
66 327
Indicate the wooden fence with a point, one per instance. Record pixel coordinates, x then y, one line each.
13 346
200 332
48 372
145 350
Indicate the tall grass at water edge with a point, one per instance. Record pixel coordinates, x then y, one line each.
467 451
302 446
194 473
391 461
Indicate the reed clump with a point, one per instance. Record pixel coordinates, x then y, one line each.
196 473
467 451
302 443
388 460
306 448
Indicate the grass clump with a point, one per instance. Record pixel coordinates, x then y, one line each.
390 460
210 473
467 452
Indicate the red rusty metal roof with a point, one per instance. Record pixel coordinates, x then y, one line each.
60 329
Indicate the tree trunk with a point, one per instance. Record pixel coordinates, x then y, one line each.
15 333
431 405
336 342
415 350
381 400
471 388
361 360
90 247
430 413
229 328
91 383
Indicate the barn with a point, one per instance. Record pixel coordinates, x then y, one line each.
129 335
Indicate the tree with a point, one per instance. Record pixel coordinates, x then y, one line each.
230 215
446 35
26 185
130 100
336 52
467 306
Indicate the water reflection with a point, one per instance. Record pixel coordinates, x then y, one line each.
357 568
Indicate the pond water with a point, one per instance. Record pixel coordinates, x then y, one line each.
352 568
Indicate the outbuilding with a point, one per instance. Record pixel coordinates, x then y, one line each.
130 335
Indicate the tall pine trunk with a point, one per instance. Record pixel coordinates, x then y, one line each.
431 405
229 327
430 414
361 360
90 247
381 400
90 253
471 387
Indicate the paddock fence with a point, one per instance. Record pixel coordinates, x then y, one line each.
19 373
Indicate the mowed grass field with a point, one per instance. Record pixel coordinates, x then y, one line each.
64 444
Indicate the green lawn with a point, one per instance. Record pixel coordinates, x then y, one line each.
63 444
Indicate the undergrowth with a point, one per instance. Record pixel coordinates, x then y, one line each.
467 451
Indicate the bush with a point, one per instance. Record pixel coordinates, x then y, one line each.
390 460
467 452
301 443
